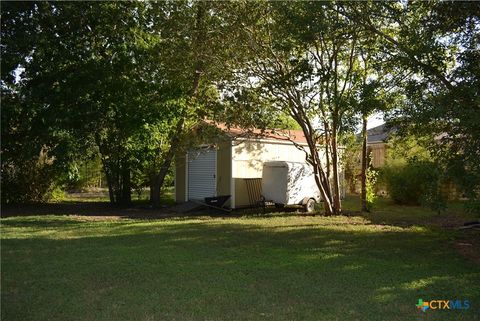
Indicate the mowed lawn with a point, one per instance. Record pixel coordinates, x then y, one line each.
255 267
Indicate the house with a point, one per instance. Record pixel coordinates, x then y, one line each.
377 148
233 163
377 138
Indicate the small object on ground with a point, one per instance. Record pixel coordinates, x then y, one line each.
467 225
216 202
186 207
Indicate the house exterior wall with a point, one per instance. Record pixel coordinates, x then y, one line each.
224 169
238 160
248 157
223 174
377 153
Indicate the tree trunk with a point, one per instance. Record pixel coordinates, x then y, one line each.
111 194
155 189
297 113
117 193
327 147
337 205
363 197
108 176
125 188
156 182
322 182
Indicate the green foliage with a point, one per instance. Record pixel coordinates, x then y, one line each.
439 45
129 80
123 80
414 183
86 173
351 160
250 108
410 175
305 58
401 149
57 194
466 179
371 192
28 181
473 206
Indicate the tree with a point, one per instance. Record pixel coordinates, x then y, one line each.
200 47
376 93
36 157
437 44
128 79
86 82
305 58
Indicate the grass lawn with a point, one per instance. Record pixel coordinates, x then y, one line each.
255 267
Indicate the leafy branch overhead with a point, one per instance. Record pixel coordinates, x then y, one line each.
127 83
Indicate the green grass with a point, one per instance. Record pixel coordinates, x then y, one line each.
386 212
274 267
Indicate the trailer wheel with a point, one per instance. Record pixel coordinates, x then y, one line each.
310 206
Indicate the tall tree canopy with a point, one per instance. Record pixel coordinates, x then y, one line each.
122 79
307 63
437 44
127 81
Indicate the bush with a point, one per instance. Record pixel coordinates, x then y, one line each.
414 183
371 181
30 181
83 174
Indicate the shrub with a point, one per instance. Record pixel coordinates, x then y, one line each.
30 181
371 181
414 183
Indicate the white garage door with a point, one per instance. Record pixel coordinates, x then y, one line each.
202 181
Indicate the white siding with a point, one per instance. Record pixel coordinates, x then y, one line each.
247 162
202 164
249 156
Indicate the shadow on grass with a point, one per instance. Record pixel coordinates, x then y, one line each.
386 212
386 215
39 224
136 211
214 270
82 208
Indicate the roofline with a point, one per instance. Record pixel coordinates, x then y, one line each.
271 140
278 141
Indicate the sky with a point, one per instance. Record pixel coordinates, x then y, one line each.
375 120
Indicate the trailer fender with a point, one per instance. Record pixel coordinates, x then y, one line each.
305 200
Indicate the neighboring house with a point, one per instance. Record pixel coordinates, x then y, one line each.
377 147
232 165
377 138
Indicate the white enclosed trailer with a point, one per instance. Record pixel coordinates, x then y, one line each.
290 183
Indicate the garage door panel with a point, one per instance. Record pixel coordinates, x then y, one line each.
201 174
